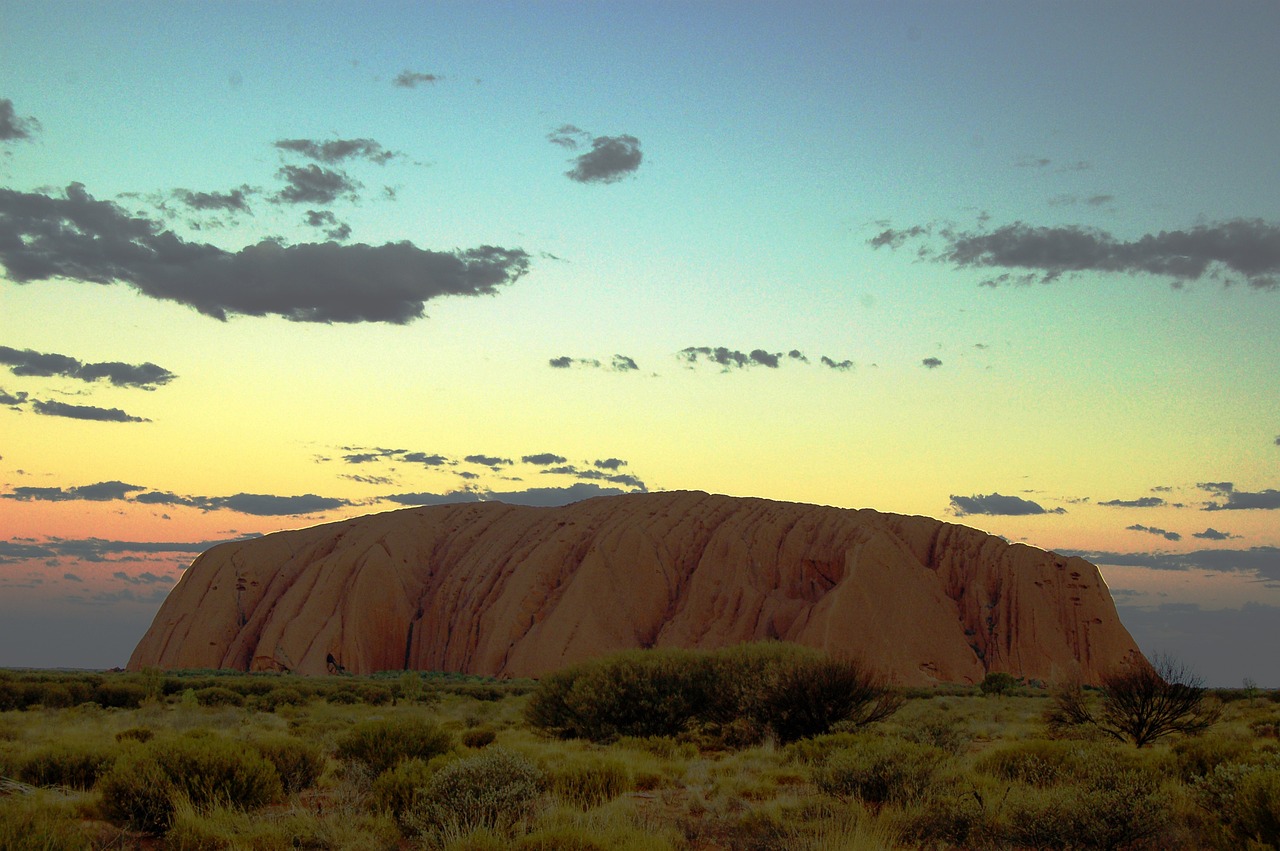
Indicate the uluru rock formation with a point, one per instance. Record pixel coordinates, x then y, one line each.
496 589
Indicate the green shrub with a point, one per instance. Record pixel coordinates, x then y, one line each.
136 734
880 771
394 791
495 789
1197 756
143 788
281 696
298 763
36 823
115 694
76 766
589 782
1245 799
998 683
219 696
380 744
479 737
1107 810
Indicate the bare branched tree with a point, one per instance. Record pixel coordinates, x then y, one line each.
1140 704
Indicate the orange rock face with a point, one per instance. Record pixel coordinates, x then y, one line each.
489 588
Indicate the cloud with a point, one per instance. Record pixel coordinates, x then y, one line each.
619 363
311 184
931 363
100 492
99 549
237 200
1152 530
52 408
544 497
12 399
599 475
262 505
147 376
609 463
83 239
326 220
841 366
412 79
1248 248
610 159
13 128
569 136
543 459
1140 502
146 578
1212 534
487 460
998 504
1268 499
425 459
1033 162
730 358
1264 561
338 150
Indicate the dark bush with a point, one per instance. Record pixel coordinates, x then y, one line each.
76 766
219 696
479 737
380 744
812 695
298 763
281 696
136 734
119 695
141 789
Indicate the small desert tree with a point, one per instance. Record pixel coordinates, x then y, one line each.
1141 704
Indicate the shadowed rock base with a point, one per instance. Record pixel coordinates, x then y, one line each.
495 589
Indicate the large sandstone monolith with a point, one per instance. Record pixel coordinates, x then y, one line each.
496 589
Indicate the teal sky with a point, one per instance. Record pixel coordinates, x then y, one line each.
1019 250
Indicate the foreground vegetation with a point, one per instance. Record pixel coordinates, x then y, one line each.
753 748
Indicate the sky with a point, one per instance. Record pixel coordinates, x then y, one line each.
1011 265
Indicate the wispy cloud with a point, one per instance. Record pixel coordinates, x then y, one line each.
54 408
1237 500
29 362
1248 249
337 150
1152 530
262 505
14 128
412 79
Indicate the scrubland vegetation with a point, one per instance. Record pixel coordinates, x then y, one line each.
758 747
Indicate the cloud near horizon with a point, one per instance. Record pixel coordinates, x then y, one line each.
541 497
1265 500
1245 248
998 504
260 505
84 239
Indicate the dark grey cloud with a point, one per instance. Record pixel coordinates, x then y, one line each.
338 150
1223 645
235 201
364 456
998 504
145 578
369 480
598 475
53 408
12 399
311 184
1140 502
618 363
487 460
931 363
12 127
147 376
100 492
328 222
1278 440
263 505
1033 162
610 159
1212 534
71 577
1245 248
1264 561
797 355
544 497
841 366
1236 500
412 79
426 460
543 459
99 549
730 358
608 463
1152 530
84 239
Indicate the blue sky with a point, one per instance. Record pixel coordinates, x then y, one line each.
1019 250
